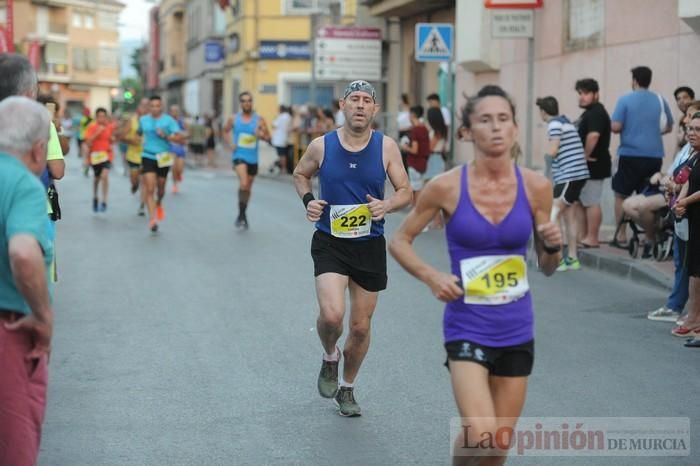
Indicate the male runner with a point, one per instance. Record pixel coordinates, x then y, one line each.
178 149
99 137
158 130
348 247
241 133
134 148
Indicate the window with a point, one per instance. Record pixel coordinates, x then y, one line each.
3 15
77 20
89 21
108 20
305 7
56 53
84 59
109 57
585 24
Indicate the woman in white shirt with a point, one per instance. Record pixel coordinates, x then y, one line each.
281 127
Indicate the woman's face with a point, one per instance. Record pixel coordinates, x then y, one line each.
693 132
493 130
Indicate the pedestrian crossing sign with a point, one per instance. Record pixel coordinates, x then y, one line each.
434 41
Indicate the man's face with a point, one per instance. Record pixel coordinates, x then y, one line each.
432 103
101 118
359 109
246 103
156 107
142 109
175 111
586 98
682 100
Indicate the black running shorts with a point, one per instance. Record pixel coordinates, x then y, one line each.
151 166
364 261
506 361
251 167
101 166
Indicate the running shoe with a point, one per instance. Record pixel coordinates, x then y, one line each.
573 264
562 265
345 400
153 225
103 207
244 223
142 211
239 222
160 213
664 314
95 205
328 379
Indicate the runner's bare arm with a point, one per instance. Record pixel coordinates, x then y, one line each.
547 234
228 127
444 286
398 177
306 168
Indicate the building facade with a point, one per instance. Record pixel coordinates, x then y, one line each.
206 28
268 52
74 45
172 31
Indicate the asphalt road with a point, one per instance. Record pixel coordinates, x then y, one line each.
197 346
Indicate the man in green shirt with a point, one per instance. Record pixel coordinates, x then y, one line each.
26 316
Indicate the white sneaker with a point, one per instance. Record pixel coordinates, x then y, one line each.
663 314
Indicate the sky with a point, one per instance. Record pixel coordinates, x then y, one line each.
134 19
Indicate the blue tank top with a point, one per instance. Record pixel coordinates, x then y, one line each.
470 235
245 138
345 178
178 149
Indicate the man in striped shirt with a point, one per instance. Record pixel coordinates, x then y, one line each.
569 170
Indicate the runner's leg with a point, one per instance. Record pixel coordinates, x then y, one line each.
472 392
149 184
362 303
105 184
330 292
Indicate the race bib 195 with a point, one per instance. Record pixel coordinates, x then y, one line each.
350 221
164 159
97 158
494 280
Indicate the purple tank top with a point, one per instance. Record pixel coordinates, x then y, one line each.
471 235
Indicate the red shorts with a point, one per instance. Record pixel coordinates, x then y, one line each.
22 397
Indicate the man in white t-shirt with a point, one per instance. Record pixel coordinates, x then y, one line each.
281 126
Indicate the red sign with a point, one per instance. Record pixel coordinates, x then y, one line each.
10 33
3 40
33 54
513 4
349 32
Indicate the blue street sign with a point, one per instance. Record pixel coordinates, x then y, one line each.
213 52
284 50
434 41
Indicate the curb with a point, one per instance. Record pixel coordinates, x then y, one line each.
632 269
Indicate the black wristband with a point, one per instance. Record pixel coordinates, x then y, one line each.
551 250
308 197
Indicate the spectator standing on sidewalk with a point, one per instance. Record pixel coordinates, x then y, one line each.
281 127
684 96
26 317
569 170
637 118
594 130
418 150
678 298
434 102
403 123
689 205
